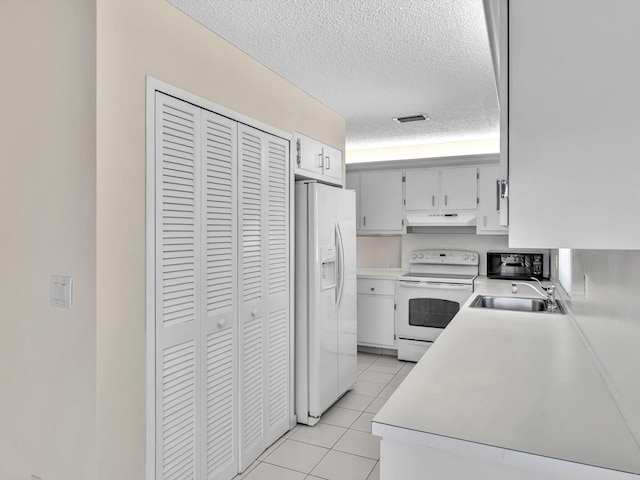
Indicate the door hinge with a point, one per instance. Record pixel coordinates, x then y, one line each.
298 156
403 221
404 178
478 175
504 188
395 306
395 337
404 202
477 200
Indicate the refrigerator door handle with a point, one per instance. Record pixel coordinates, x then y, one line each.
340 284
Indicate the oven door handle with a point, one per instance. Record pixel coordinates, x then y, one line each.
438 286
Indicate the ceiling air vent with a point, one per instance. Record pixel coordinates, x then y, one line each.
411 118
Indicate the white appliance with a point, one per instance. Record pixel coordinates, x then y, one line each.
326 323
429 296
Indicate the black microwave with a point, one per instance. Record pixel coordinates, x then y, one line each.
517 265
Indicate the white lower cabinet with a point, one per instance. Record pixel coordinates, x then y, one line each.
376 312
408 453
221 290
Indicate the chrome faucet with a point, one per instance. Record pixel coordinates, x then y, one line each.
549 296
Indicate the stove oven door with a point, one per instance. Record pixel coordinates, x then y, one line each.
426 308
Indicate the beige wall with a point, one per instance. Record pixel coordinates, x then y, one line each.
47 207
138 38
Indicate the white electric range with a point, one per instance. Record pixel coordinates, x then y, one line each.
429 296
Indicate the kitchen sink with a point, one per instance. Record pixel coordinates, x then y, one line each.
518 304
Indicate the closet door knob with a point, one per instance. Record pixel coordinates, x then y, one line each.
254 313
222 322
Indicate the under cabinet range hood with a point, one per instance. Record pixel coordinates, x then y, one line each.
440 219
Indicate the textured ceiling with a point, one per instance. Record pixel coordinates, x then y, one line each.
373 60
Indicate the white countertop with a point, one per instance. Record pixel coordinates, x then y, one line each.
379 272
515 380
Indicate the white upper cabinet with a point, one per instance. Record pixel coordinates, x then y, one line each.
332 164
441 189
352 182
317 161
488 222
381 201
308 156
574 127
422 190
458 188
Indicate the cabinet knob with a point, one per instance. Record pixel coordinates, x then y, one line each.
254 313
222 322
373 289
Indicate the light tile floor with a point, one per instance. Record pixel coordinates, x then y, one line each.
340 446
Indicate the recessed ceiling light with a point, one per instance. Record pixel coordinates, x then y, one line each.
412 118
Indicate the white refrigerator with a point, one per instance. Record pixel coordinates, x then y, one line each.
325 309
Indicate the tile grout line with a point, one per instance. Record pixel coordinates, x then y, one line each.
346 429
304 443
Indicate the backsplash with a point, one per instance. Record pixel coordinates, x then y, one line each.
392 251
379 251
607 309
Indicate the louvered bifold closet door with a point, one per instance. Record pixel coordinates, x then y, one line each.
263 290
219 217
277 288
251 306
178 292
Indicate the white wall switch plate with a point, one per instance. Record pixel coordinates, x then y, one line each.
61 291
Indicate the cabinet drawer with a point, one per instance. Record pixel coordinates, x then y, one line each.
377 286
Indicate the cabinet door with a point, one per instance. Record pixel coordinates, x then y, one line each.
352 182
376 320
421 190
332 164
573 124
309 156
459 188
488 222
381 201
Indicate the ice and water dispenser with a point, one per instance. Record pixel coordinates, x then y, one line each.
328 267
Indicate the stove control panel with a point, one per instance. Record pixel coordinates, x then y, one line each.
444 257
